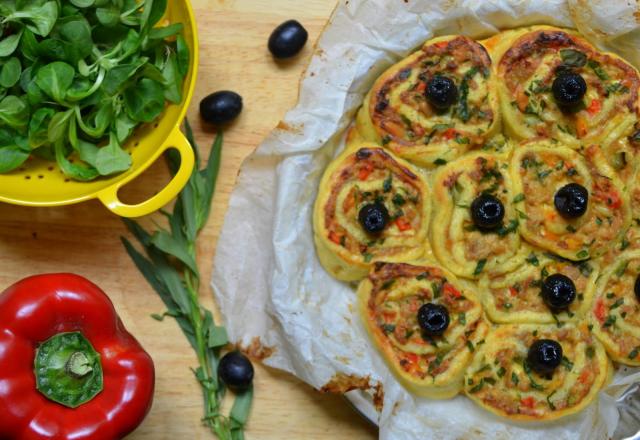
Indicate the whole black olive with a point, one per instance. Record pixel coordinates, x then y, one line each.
287 39
558 291
636 287
373 217
441 92
433 319
220 107
487 212
544 356
236 371
569 89
571 200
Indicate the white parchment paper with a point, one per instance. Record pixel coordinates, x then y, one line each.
267 278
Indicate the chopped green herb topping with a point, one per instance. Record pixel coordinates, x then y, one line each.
519 198
388 328
480 266
386 185
532 259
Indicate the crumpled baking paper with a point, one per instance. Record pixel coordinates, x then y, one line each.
267 278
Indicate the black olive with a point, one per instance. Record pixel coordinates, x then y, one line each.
487 212
373 217
287 39
441 92
571 200
236 371
544 356
558 291
433 319
636 287
220 107
569 89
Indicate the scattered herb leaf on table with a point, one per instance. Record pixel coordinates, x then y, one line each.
170 268
78 76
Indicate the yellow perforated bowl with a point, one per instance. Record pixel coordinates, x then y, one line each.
41 183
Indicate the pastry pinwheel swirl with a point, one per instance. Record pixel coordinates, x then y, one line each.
614 314
552 83
530 372
547 289
370 206
574 205
475 228
435 104
425 324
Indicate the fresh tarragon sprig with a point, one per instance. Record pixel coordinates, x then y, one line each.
170 266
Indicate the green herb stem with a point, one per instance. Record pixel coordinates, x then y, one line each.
170 267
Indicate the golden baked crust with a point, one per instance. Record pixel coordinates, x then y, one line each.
539 169
389 301
363 174
500 380
456 242
526 64
396 113
515 297
614 314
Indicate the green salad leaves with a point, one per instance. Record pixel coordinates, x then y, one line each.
78 76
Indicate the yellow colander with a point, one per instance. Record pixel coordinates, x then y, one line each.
41 183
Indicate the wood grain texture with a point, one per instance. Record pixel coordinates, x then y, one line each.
85 238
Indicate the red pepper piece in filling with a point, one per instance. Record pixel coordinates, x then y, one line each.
365 171
529 402
403 224
451 291
93 382
600 310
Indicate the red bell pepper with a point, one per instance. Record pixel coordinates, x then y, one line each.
68 368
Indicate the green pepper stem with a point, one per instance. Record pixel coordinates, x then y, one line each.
68 370
78 365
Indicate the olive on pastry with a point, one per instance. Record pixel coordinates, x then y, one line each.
487 212
373 217
433 319
636 287
441 92
571 200
569 89
558 291
544 356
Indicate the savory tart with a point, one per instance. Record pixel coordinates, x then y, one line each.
425 324
547 289
370 206
573 204
530 372
552 83
475 225
435 104
614 316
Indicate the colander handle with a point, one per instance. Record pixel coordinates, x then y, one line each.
109 196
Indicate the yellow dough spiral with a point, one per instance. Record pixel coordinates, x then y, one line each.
390 298
614 314
515 297
457 243
527 62
397 114
539 169
362 175
501 380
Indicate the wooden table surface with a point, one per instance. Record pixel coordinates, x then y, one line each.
85 238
